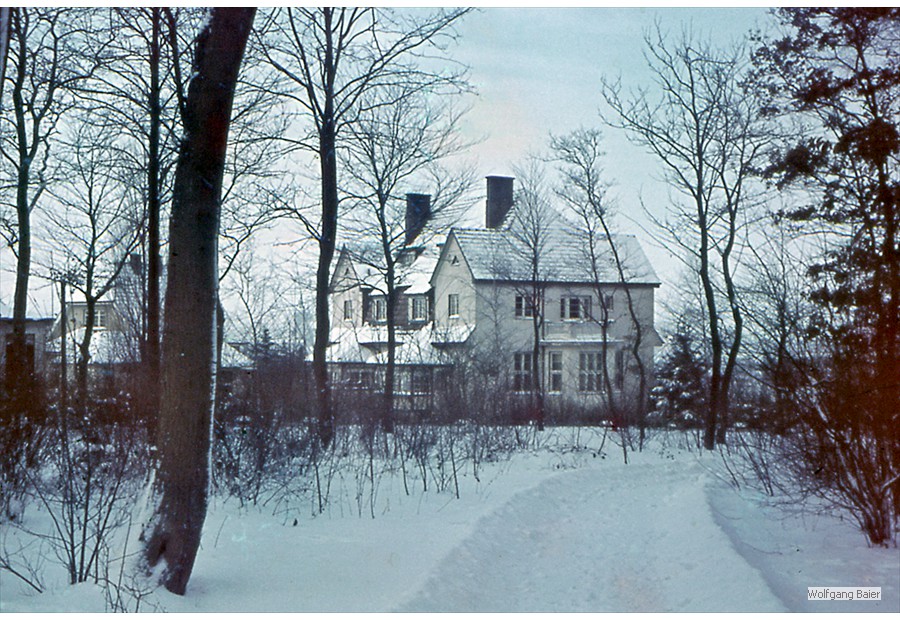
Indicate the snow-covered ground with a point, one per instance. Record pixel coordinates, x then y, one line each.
551 529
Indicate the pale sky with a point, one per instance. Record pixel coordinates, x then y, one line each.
537 71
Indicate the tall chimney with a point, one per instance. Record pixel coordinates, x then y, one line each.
499 200
418 211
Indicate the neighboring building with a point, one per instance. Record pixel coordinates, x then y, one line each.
37 339
115 347
469 298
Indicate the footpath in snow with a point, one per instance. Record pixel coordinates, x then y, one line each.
556 531
640 538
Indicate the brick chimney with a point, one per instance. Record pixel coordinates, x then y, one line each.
499 200
418 211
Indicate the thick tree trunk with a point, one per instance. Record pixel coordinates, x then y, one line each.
151 349
186 401
328 237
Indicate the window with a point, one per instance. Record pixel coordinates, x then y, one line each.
590 369
453 304
556 375
522 378
620 369
379 309
418 309
575 308
348 309
609 303
524 307
100 317
420 382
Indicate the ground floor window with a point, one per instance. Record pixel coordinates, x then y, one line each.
556 375
522 368
590 372
620 369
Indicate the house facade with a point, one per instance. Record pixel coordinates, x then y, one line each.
568 329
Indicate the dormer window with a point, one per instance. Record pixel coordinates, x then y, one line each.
379 309
418 309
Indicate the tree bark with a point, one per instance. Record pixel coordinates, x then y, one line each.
18 377
188 379
328 238
151 350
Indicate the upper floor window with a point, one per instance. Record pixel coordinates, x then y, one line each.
379 309
418 309
453 304
100 318
590 372
609 303
524 307
556 371
522 377
348 309
575 308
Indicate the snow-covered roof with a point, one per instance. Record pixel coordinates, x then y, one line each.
500 254
454 334
107 346
368 344
115 347
417 276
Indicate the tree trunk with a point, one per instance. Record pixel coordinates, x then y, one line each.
188 380
537 387
328 163
151 350
326 254
390 370
18 376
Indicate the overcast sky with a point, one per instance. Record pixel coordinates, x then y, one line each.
539 70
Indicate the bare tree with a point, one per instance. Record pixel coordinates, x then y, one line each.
388 149
530 225
333 58
583 189
46 63
705 132
188 384
95 228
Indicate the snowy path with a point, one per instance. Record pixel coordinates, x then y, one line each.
640 538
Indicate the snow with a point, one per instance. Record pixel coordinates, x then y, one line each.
558 527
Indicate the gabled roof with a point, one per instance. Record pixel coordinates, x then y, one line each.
499 254
413 278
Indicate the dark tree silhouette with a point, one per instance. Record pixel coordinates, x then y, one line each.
188 348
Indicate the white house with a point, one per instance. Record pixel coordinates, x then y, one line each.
472 297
